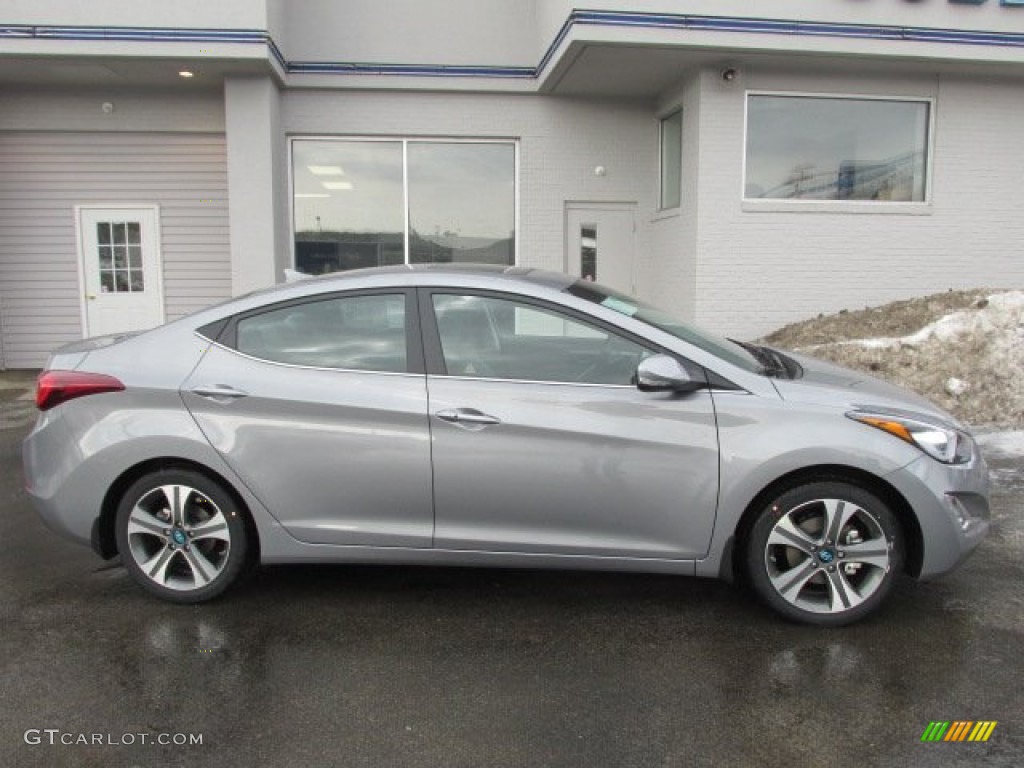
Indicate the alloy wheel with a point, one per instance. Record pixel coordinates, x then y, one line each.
178 537
827 555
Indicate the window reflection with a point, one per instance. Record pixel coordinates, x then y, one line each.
350 203
671 160
484 337
361 333
812 148
461 203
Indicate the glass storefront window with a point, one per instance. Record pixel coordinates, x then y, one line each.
461 203
348 205
836 148
363 203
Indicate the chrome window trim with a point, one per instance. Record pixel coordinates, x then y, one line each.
309 367
531 381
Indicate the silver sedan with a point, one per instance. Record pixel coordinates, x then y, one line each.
452 415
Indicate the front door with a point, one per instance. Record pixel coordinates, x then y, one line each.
542 443
120 266
600 243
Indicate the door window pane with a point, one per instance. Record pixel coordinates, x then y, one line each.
461 203
363 333
486 337
349 203
588 251
813 148
119 252
671 160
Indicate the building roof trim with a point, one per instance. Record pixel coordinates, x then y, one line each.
145 34
575 19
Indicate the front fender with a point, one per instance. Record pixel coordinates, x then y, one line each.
762 440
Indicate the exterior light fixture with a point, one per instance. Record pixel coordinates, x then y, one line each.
186 73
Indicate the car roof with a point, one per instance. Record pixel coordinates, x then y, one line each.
557 280
403 275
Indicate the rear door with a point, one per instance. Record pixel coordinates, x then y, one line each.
542 443
320 407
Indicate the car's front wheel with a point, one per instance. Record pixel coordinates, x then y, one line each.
181 536
825 553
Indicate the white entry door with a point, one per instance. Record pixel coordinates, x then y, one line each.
601 243
121 281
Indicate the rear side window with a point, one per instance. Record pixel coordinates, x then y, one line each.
362 333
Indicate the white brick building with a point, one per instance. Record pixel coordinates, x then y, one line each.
747 164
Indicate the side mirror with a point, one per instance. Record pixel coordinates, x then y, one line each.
661 373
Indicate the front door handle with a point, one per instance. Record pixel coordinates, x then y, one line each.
220 392
467 416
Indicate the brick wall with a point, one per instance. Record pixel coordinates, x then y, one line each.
757 270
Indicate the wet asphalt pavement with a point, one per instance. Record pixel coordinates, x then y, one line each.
360 666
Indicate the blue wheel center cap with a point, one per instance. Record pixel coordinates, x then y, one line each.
179 537
826 555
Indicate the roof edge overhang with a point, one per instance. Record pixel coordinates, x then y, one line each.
254 51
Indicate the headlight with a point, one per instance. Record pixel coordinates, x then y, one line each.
945 444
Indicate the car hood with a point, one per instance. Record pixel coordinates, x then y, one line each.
825 383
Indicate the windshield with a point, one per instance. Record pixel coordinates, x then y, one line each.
727 350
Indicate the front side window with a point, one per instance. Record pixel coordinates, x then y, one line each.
486 337
362 333
827 148
730 351
361 203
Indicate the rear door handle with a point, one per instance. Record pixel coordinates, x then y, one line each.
467 416
220 392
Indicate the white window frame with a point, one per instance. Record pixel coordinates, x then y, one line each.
920 208
405 141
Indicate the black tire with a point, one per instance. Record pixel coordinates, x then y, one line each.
181 536
825 553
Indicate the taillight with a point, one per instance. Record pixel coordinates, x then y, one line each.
56 387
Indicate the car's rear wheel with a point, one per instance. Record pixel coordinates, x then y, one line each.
181 535
825 553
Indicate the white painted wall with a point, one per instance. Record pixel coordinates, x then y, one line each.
492 32
669 276
258 178
220 14
134 109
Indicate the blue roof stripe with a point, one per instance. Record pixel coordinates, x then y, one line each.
577 17
422 70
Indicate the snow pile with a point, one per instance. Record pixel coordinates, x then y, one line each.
1000 316
969 361
1002 443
